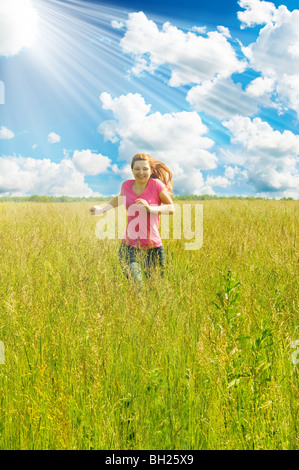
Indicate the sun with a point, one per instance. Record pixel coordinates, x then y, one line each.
18 26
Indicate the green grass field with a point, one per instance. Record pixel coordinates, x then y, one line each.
198 359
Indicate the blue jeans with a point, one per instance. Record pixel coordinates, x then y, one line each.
133 259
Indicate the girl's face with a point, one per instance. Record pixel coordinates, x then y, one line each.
141 171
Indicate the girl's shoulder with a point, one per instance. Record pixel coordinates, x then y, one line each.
158 184
127 184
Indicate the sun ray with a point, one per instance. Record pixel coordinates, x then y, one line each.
77 49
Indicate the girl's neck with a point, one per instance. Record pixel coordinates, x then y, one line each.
138 188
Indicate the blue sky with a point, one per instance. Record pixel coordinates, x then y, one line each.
210 88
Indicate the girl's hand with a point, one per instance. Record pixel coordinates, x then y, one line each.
95 210
144 203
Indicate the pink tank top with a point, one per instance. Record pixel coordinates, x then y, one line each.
143 227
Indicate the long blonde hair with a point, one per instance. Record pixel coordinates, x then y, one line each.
158 170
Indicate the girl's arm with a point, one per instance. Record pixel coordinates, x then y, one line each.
115 202
167 206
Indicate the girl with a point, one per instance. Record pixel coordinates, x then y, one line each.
148 195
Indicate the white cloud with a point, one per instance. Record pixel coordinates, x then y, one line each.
225 31
90 163
222 98
53 138
117 24
288 88
6 133
259 136
275 55
191 58
177 139
12 178
293 50
235 173
260 87
21 176
125 172
269 156
128 109
275 46
232 175
199 29
176 136
18 26
219 181
256 12
190 181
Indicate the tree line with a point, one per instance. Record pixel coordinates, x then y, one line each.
185 197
